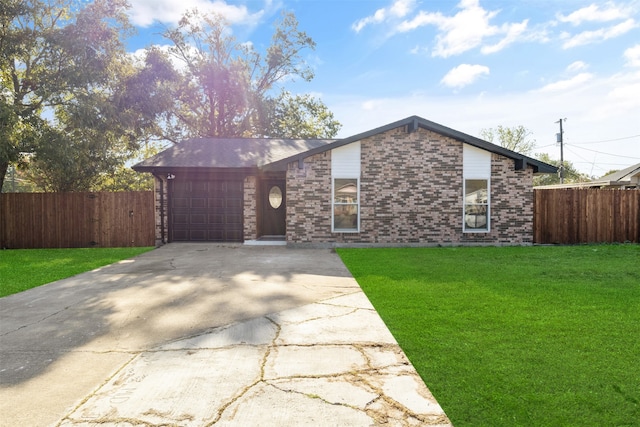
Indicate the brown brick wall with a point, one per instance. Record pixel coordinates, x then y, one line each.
411 193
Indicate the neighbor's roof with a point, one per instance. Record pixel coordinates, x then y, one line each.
623 175
623 178
227 153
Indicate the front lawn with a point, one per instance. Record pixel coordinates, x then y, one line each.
22 269
526 336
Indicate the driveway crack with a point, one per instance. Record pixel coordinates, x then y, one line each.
245 390
37 321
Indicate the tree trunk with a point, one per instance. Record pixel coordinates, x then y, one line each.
4 166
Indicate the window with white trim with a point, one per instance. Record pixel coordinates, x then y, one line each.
476 205
346 205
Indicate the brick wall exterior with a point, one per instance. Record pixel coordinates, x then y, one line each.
410 193
250 208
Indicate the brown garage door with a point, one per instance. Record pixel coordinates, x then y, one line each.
206 210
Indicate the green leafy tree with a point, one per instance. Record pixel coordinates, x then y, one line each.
52 52
300 116
225 84
515 138
571 174
75 106
123 178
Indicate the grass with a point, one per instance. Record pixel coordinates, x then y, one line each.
518 336
22 269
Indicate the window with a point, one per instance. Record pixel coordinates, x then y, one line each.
345 205
275 197
476 205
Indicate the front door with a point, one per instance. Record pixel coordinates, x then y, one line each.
274 207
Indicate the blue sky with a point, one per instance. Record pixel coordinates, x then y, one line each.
468 64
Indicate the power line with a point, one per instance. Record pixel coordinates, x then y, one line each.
607 140
607 154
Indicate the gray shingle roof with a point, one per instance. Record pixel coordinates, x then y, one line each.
228 153
622 175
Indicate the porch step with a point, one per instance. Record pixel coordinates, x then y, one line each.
267 241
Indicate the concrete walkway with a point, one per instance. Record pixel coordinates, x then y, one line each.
199 335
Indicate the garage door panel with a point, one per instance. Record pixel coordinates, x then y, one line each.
198 235
218 202
233 219
234 235
216 235
215 219
198 219
180 235
234 186
207 210
181 202
198 202
180 218
234 203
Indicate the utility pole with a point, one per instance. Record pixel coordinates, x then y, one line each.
559 139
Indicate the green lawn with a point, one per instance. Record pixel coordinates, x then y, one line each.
22 269
517 336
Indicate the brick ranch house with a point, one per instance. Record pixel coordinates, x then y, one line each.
411 182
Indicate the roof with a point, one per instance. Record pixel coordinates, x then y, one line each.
623 175
275 154
628 177
209 153
412 124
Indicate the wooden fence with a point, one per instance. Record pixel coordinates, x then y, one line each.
579 215
73 220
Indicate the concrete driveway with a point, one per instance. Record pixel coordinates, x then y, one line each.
206 334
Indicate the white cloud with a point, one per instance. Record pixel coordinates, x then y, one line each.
143 13
398 10
594 13
632 56
513 34
465 30
587 37
577 66
464 75
564 85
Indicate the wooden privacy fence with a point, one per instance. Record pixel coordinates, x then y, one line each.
74 220
580 215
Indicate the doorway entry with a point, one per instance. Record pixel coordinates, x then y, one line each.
274 208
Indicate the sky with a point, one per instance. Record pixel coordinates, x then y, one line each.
469 65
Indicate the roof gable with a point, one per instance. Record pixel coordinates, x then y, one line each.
412 124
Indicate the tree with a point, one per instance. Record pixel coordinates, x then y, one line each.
52 53
571 174
300 116
225 84
513 138
75 106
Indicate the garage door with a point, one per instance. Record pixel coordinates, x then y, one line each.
206 210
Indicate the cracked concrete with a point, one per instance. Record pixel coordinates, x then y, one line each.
191 336
327 363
